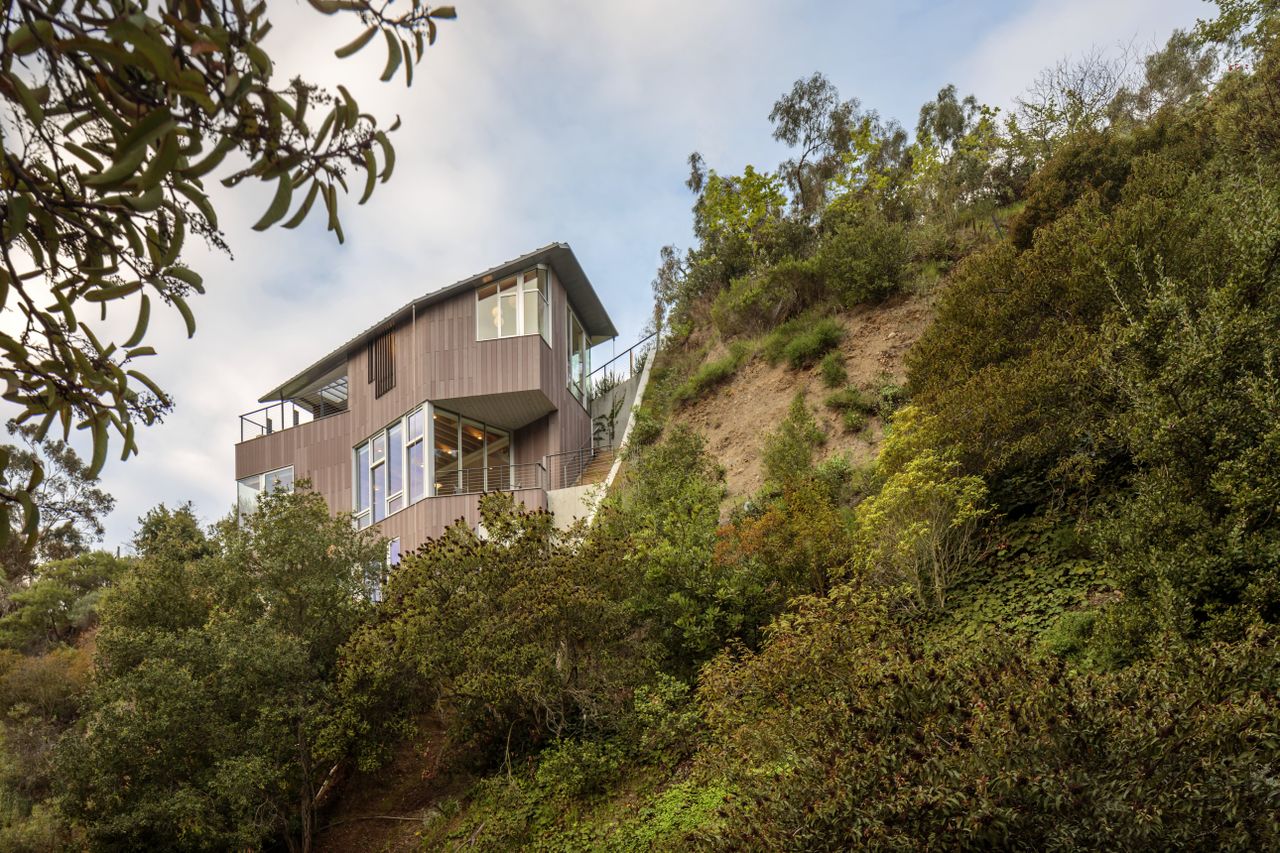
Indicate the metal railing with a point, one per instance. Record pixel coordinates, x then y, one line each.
573 467
496 478
275 417
628 363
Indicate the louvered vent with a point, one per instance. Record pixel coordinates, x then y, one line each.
382 363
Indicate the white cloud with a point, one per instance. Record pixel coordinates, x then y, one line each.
534 122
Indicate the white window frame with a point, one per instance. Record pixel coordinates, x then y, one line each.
262 484
541 284
365 518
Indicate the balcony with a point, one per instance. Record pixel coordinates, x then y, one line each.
321 401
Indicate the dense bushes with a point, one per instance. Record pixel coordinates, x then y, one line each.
845 731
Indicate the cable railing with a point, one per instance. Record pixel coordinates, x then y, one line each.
620 368
580 467
495 478
278 416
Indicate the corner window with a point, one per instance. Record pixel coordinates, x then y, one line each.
579 357
389 470
517 305
250 489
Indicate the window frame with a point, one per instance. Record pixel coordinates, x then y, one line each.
261 479
541 283
577 387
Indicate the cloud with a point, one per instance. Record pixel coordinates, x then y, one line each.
529 123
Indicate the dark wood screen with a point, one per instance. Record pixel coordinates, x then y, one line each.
382 363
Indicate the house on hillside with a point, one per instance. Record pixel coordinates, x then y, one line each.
482 386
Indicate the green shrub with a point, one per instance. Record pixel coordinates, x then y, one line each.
845 726
572 769
853 420
645 428
807 345
850 400
788 452
890 398
711 374
833 370
862 256
755 302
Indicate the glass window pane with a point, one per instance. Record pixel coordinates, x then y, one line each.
393 553
379 492
362 478
416 420
247 494
379 447
487 313
445 429
508 284
507 317
363 521
544 320
417 473
395 451
542 282
498 459
472 445
532 302
278 480
395 504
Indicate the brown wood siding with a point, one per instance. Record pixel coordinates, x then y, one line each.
428 518
319 451
438 358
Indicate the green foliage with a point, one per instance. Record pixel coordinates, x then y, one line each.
518 636
110 180
61 602
233 656
917 531
668 510
862 256
711 374
803 341
832 369
788 451
849 399
990 747
758 301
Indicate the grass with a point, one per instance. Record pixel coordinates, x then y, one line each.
854 408
833 370
711 373
802 341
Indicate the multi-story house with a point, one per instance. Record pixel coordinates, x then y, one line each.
480 386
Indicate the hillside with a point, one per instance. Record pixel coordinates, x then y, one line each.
735 417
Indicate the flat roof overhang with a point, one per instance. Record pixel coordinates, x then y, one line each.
586 304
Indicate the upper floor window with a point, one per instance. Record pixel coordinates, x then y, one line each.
390 470
518 305
250 489
579 358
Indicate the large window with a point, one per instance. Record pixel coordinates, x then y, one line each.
389 472
393 468
251 489
579 358
518 305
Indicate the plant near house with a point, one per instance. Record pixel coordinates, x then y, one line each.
605 427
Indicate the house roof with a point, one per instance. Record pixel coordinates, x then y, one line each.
586 304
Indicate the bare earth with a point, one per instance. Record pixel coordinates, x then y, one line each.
736 417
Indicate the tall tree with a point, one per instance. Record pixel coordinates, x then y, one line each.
112 116
812 118
71 505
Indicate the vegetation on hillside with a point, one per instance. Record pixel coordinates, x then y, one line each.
1046 615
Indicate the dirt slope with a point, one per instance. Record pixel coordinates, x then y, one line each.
736 417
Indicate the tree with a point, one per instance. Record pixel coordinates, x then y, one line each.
214 684
812 117
112 117
947 119
68 500
61 601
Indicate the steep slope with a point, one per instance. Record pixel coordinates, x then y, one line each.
736 417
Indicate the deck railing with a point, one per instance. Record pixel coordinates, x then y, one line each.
574 467
281 415
495 478
621 367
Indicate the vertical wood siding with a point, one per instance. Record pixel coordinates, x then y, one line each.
437 358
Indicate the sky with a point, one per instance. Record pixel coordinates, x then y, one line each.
558 121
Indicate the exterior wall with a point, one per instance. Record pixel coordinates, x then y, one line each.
437 357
